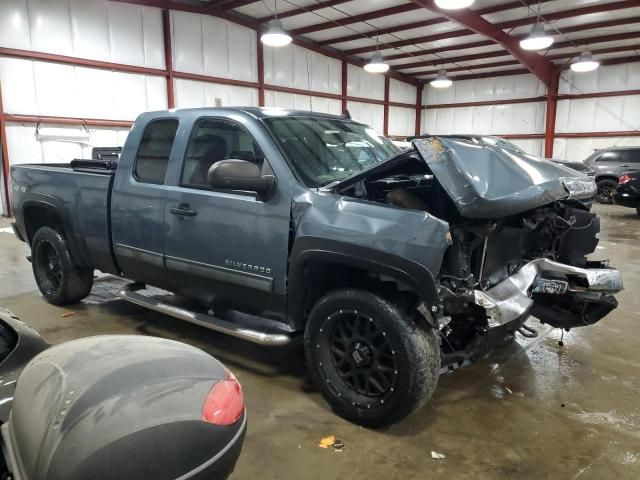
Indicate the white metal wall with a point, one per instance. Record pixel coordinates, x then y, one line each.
92 29
621 113
517 118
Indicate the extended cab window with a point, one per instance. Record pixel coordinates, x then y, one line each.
153 152
212 140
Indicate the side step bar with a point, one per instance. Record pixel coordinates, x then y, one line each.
275 339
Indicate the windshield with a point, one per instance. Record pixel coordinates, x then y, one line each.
502 143
325 150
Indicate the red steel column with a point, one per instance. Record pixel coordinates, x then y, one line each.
386 106
345 70
550 124
260 50
5 156
418 107
168 57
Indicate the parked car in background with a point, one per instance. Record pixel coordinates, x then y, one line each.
627 193
115 406
609 165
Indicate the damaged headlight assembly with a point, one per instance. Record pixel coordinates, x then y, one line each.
580 188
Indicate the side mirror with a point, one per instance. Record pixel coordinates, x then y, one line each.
240 175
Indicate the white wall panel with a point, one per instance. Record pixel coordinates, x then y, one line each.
402 121
363 84
369 113
484 89
95 29
402 92
212 46
297 67
302 102
520 118
533 146
24 147
607 78
578 149
41 88
192 94
604 114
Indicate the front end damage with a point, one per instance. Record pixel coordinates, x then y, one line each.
520 237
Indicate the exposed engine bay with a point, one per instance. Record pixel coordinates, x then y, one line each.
502 265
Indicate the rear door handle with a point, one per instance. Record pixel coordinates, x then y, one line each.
183 210
624 166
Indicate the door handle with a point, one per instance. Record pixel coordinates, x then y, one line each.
624 166
183 210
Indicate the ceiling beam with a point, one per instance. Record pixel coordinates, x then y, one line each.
303 10
230 5
423 23
508 63
483 43
501 53
385 12
539 66
550 17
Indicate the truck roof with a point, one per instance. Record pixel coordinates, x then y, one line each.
262 112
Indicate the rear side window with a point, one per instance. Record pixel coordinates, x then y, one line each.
611 156
632 155
153 153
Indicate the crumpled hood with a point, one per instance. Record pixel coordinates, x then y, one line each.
490 182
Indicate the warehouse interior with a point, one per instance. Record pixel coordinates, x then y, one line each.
76 74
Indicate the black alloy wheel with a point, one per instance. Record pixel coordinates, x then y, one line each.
361 355
605 191
369 358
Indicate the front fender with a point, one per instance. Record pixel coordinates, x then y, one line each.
415 276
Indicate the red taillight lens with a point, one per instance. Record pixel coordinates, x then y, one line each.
224 403
624 179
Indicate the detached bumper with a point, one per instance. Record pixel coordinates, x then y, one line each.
561 295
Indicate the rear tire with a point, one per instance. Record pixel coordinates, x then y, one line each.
370 360
59 280
606 187
638 210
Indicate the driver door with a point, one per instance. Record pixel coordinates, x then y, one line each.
226 246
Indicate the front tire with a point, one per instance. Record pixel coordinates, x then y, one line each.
370 360
606 187
59 280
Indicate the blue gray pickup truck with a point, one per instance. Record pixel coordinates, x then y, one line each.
393 266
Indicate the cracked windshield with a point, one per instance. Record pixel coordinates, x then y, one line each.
324 150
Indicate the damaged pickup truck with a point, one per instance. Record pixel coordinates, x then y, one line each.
394 266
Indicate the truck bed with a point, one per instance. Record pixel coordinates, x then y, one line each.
82 193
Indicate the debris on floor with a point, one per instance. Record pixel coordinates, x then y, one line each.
68 314
437 456
331 442
327 442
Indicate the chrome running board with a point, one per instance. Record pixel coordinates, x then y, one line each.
272 339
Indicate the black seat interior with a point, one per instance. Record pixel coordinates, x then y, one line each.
208 149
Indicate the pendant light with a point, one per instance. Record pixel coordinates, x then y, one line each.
442 80
538 38
584 63
453 4
376 64
275 35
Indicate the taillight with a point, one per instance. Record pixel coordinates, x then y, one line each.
224 403
624 179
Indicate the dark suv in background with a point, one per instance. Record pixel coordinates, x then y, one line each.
610 164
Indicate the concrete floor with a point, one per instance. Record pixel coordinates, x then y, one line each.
533 410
